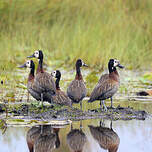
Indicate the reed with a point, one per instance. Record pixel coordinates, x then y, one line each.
66 30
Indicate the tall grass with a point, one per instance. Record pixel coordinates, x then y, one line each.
94 30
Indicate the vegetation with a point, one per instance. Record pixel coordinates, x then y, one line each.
92 30
66 30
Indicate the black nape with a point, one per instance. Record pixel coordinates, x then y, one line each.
111 66
58 76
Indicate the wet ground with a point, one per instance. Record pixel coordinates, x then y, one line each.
131 119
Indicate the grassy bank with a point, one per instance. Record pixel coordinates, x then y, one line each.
65 29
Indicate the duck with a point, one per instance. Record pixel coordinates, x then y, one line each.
76 90
107 138
45 143
42 135
76 139
44 80
32 134
31 85
107 85
60 97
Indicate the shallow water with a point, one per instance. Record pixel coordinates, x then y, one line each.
135 136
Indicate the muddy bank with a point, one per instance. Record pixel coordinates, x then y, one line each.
34 112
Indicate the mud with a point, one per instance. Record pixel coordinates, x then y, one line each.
56 112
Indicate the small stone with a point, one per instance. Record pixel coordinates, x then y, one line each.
2 82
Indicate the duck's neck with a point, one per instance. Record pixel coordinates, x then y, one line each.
31 75
78 73
30 146
111 68
113 73
40 66
56 131
57 83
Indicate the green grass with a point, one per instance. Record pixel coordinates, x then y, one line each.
66 30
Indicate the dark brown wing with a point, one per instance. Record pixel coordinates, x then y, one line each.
106 137
34 90
105 88
76 90
76 140
61 98
45 143
45 82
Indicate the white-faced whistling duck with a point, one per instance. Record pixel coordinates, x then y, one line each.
106 137
76 140
45 143
76 90
31 85
108 84
42 138
31 136
43 79
60 97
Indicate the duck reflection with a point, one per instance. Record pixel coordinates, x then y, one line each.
31 136
43 138
76 139
106 137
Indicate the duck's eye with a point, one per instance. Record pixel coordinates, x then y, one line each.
115 61
36 52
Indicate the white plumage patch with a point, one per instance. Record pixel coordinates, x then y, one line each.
36 54
53 74
116 62
28 63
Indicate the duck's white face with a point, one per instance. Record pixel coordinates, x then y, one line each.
36 54
28 64
116 63
83 64
53 74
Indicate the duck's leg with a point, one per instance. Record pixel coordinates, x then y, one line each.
41 129
71 126
101 105
102 124
42 99
81 105
27 96
104 106
111 124
111 103
81 125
